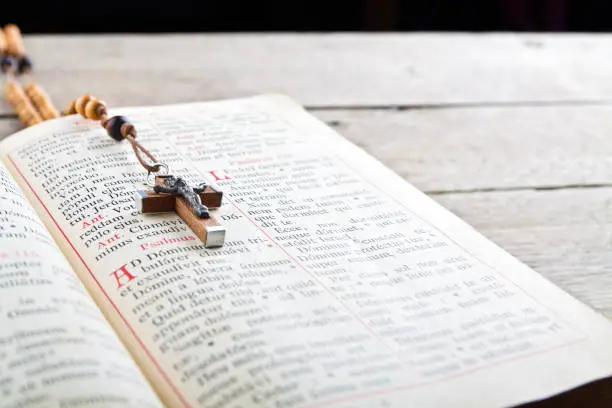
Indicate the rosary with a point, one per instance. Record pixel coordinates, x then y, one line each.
169 193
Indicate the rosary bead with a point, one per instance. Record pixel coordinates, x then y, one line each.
24 65
95 109
80 104
70 108
41 101
127 129
14 44
2 41
15 95
113 127
6 63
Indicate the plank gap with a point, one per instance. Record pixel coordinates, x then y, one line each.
462 105
517 188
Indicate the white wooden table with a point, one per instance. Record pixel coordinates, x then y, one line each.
511 132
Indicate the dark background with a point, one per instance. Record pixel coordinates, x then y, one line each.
77 16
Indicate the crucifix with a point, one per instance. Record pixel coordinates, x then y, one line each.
172 193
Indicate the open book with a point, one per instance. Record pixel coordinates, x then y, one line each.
339 284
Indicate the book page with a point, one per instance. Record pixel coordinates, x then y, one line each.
56 348
339 284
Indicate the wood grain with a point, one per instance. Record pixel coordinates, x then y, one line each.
8 126
151 202
325 69
565 235
486 148
208 230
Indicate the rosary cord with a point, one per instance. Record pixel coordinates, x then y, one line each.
117 127
33 105
137 147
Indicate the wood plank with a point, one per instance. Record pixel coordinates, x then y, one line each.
8 127
565 234
486 148
325 69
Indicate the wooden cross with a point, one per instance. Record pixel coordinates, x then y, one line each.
173 194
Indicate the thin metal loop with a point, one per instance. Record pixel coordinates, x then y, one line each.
159 166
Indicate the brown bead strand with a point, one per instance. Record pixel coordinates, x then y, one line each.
30 101
16 49
14 43
6 62
21 104
70 109
117 127
41 101
88 107
2 42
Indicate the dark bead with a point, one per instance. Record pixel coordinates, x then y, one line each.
24 65
113 127
6 63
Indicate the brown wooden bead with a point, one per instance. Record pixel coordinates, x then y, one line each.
46 112
95 109
41 101
13 92
6 63
21 103
127 129
14 42
2 42
70 108
24 113
101 110
90 107
81 102
24 65
114 126
32 119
